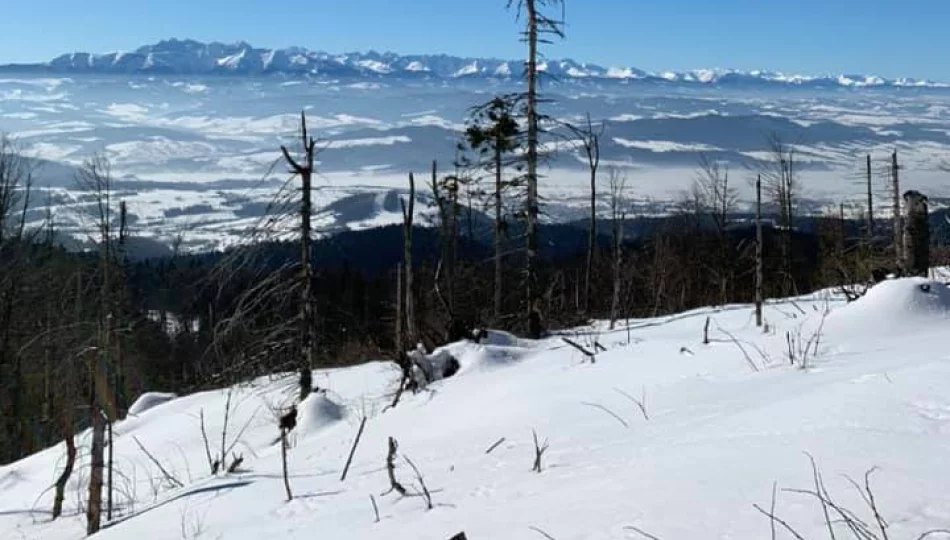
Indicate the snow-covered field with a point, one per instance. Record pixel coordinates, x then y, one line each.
717 428
197 148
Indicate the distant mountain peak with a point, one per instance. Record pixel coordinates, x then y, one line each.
176 56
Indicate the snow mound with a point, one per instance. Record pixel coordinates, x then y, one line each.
317 412
497 337
496 349
894 306
148 401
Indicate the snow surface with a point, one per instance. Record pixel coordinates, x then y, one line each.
718 434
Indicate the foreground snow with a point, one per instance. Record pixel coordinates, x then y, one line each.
718 435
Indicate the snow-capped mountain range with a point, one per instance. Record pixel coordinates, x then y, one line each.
189 57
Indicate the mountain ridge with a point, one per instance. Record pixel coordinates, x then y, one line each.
192 57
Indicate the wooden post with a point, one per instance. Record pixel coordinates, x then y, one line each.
758 251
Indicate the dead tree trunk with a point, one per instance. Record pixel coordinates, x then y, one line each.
532 294
898 218
499 234
916 241
791 287
590 142
400 340
758 251
870 225
63 478
617 186
97 462
618 265
307 335
283 461
408 211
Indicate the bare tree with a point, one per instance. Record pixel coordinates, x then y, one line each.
716 196
96 177
16 183
307 317
537 26
897 214
618 183
870 210
782 182
713 196
589 138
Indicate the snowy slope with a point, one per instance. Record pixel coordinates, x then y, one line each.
719 434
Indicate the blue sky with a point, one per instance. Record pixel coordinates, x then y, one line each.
883 37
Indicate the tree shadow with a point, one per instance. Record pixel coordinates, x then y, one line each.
319 494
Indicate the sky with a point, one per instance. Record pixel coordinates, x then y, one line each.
880 37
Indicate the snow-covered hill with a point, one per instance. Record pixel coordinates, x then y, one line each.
719 424
189 57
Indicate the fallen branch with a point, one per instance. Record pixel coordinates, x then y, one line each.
775 519
641 532
738 344
579 347
168 476
608 411
494 446
542 533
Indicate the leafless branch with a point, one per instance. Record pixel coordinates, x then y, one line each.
375 508
608 411
539 450
422 484
168 476
641 403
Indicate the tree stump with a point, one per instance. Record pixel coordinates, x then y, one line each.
916 244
